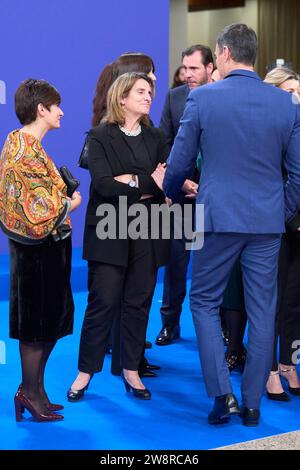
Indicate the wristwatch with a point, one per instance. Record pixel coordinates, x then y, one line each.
132 182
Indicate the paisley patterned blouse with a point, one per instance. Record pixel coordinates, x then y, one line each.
33 199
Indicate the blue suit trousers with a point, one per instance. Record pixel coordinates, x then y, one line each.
211 268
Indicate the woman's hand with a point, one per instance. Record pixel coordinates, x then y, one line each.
159 174
75 201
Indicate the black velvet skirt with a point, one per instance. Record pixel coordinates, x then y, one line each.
41 302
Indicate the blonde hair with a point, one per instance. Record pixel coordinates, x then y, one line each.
120 89
279 75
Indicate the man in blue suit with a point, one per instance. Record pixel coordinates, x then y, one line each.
197 61
244 129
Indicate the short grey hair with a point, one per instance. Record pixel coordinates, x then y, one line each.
241 41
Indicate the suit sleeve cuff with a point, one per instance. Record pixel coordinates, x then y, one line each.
147 185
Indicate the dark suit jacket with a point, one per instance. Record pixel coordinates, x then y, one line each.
109 155
170 123
173 111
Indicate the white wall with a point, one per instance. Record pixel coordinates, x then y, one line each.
204 26
178 33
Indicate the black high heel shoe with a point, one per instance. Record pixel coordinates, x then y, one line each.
76 395
142 394
293 390
282 396
236 361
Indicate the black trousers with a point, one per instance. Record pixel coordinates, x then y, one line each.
175 283
287 323
113 289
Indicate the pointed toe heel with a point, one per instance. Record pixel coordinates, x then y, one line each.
293 390
77 395
22 403
278 396
141 393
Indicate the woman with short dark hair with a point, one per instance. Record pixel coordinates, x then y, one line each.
34 210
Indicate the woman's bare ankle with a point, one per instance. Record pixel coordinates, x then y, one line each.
81 381
133 378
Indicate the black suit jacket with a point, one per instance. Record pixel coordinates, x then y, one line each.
173 111
170 123
109 155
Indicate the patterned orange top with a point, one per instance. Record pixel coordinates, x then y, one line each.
33 199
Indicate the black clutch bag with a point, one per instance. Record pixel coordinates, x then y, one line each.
83 158
71 183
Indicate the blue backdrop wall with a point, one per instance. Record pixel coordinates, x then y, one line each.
68 42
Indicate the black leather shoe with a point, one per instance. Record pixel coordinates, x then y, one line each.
236 361
250 416
144 364
142 373
76 395
167 335
225 336
147 373
225 406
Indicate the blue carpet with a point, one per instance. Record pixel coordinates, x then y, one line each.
108 418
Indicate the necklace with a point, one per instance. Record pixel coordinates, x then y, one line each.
131 133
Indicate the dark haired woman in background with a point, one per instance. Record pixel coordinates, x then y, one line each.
179 77
34 210
127 62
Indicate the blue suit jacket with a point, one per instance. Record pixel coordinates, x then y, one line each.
244 129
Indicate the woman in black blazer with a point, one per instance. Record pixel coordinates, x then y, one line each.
126 158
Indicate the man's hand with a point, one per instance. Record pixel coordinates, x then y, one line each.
190 188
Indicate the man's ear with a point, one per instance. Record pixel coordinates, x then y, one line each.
210 68
227 54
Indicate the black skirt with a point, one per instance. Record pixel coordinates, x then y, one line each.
41 302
